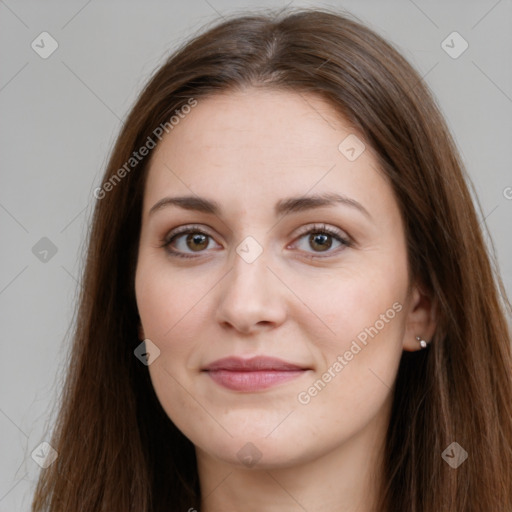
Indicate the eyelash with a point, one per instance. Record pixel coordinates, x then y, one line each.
316 229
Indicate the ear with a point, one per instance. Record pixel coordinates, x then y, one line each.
421 319
141 332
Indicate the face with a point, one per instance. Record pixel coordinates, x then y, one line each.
280 320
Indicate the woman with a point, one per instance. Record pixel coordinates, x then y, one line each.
287 300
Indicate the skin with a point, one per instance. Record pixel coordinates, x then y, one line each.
247 150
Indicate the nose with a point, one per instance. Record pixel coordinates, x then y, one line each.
251 297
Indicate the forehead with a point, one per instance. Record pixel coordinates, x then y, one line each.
255 145
283 124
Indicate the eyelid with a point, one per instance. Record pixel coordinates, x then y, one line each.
185 228
323 227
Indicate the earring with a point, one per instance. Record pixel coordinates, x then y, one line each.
423 343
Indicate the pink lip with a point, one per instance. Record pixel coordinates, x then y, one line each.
254 374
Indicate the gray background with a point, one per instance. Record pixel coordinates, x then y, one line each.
60 117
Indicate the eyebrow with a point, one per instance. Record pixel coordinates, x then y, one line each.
282 207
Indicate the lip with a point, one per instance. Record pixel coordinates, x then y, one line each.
253 374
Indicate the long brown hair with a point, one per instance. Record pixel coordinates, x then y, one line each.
118 450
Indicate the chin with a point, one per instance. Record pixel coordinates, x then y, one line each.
253 452
257 456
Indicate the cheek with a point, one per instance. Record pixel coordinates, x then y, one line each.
361 348
172 305
359 304
178 401
359 362
359 395
167 298
171 317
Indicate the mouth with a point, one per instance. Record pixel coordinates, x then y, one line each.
254 374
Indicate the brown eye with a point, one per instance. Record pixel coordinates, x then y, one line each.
185 241
320 238
197 241
321 241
